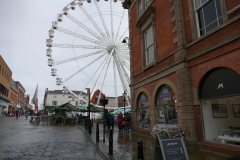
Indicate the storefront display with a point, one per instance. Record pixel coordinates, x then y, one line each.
166 110
231 136
143 112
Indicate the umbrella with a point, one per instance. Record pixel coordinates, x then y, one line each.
117 111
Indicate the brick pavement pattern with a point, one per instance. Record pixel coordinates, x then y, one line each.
20 139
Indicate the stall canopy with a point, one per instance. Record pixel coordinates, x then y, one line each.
49 108
66 106
93 108
117 111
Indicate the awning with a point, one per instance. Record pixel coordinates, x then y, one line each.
93 108
4 101
67 106
49 108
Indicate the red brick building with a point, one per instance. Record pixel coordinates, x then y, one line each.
187 69
21 98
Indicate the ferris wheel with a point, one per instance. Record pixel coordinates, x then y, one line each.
86 48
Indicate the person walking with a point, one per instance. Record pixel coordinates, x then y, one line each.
120 121
126 122
17 114
112 121
26 114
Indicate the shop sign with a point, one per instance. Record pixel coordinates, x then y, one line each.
165 95
220 82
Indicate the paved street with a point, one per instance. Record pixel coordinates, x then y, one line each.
21 140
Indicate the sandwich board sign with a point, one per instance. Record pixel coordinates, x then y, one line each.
171 149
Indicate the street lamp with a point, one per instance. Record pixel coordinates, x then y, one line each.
89 122
124 95
104 102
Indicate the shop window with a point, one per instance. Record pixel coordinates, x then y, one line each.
165 106
209 15
143 112
221 121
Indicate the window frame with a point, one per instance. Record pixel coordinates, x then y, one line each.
147 20
53 104
196 18
146 48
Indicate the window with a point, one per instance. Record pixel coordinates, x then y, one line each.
142 6
209 15
143 112
149 46
165 106
54 103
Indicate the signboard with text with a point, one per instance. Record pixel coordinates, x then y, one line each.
173 149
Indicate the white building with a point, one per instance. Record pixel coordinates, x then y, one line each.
57 98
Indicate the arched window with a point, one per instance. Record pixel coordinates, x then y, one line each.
165 105
143 112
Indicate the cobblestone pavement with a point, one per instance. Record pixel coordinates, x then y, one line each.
20 139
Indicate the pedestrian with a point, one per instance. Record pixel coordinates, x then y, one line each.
26 114
108 117
126 122
120 121
17 114
112 121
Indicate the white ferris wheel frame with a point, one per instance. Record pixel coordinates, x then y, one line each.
107 43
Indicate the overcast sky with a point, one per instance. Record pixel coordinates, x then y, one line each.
23 33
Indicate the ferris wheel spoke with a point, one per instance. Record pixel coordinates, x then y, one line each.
84 27
121 38
77 46
94 74
78 57
112 29
101 17
120 24
79 36
103 80
120 61
92 21
115 83
100 76
121 75
84 67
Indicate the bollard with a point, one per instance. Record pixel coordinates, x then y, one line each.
89 127
97 133
140 150
85 124
111 142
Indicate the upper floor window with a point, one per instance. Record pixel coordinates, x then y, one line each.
209 15
54 103
149 46
142 6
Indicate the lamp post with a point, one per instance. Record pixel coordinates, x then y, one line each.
104 102
124 95
89 121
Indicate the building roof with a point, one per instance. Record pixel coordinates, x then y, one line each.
18 83
14 85
60 92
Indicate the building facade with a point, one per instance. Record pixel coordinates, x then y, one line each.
13 96
5 86
187 69
57 98
21 97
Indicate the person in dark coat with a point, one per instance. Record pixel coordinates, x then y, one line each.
108 117
120 121
112 121
127 122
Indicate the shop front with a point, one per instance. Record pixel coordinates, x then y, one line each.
3 105
219 96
